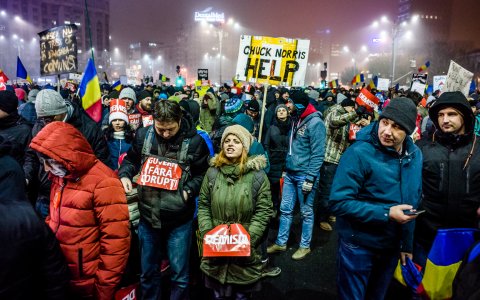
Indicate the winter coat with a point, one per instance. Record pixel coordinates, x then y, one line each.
337 123
207 112
370 179
32 264
28 112
88 212
325 105
116 148
230 201
307 145
163 213
276 145
16 129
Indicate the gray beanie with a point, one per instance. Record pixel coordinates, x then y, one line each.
49 103
128 93
32 96
403 112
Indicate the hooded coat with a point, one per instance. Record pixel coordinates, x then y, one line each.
88 212
230 201
208 112
451 174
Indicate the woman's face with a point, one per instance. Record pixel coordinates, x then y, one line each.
282 114
232 147
118 125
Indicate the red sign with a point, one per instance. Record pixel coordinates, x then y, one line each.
352 132
160 174
127 293
71 86
147 120
367 99
226 240
134 120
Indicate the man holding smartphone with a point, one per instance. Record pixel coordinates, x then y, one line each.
451 172
377 179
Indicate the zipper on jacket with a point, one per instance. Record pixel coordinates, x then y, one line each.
468 180
442 178
80 262
400 160
62 186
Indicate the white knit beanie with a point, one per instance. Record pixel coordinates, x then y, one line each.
118 111
128 93
49 103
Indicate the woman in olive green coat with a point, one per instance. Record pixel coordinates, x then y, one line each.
208 108
238 179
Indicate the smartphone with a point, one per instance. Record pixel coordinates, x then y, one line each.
413 212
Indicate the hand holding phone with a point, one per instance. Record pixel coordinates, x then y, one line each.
413 212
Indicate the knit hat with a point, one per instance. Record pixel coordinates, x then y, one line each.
347 102
32 96
241 133
233 105
314 94
49 103
280 106
20 94
244 121
118 110
143 94
128 93
224 97
403 112
8 101
457 101
253 106
300 99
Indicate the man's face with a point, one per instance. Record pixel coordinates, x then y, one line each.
286 96
451 121
146 103
349 109
291 107
391 134
252 114
166 130
149 88
128 103
3 114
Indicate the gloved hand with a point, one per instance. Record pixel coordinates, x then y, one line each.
360 110
307 186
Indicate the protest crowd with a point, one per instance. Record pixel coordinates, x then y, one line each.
186 182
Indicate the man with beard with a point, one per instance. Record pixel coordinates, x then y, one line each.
144 106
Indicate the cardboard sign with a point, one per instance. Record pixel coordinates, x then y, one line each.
458 79
439 82
383 84
277 61
226 240
58 50
71 86
147 120
352 131
367 99
419 83
160 174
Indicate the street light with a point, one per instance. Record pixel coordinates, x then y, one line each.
363 49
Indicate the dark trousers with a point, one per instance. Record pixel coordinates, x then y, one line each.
327 172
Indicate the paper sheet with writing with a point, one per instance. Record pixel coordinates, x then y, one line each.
458 79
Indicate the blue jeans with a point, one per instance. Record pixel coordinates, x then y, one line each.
364 273
292 190
152 241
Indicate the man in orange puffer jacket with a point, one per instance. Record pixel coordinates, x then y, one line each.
88 211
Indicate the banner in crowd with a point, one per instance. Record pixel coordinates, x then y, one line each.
58 50
458 79
419 83
202 74
439 82
202 87
368 100
277 61
383 84
161 174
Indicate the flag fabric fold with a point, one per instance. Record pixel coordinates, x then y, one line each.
424 66
358 78
90 93
3 76
333 84
21 71
117 85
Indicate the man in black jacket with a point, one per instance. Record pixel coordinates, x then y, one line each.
174 159
50 106
451 172
32 264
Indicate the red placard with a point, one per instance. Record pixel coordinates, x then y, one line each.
226 240
352 131
160 174
367 99
147 120
134 120
127 293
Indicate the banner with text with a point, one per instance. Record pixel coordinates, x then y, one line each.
458 79
277 61
368 100
58 50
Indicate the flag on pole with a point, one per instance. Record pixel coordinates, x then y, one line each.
116 86
373 82
333 84
3 76
90 92
424 66
21 71
358 78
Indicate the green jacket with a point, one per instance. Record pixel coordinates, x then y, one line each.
208 112
230 201
337 123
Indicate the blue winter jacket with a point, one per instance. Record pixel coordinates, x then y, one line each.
117 147
307 146
370 179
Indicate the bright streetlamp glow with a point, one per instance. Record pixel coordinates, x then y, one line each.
3 13
384 19
345 49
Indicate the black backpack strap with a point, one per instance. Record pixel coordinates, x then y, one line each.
182 154
147 142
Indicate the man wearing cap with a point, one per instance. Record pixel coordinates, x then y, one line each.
377 180
451 172
252 109
128 94
144 106
50 106
304 158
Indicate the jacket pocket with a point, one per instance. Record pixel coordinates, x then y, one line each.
80 262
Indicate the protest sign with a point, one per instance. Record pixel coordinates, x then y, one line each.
202 87
419 83
147 120
277 61
439 82
226 240
134 120
202 74
383 84
458 79
368 100
58 50
160 174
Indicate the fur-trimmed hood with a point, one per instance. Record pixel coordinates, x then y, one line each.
255 162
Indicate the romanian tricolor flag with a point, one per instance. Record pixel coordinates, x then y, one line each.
444 259
90 92
373 83
21 71
3 76
116 86
333 84
424 67
358 78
